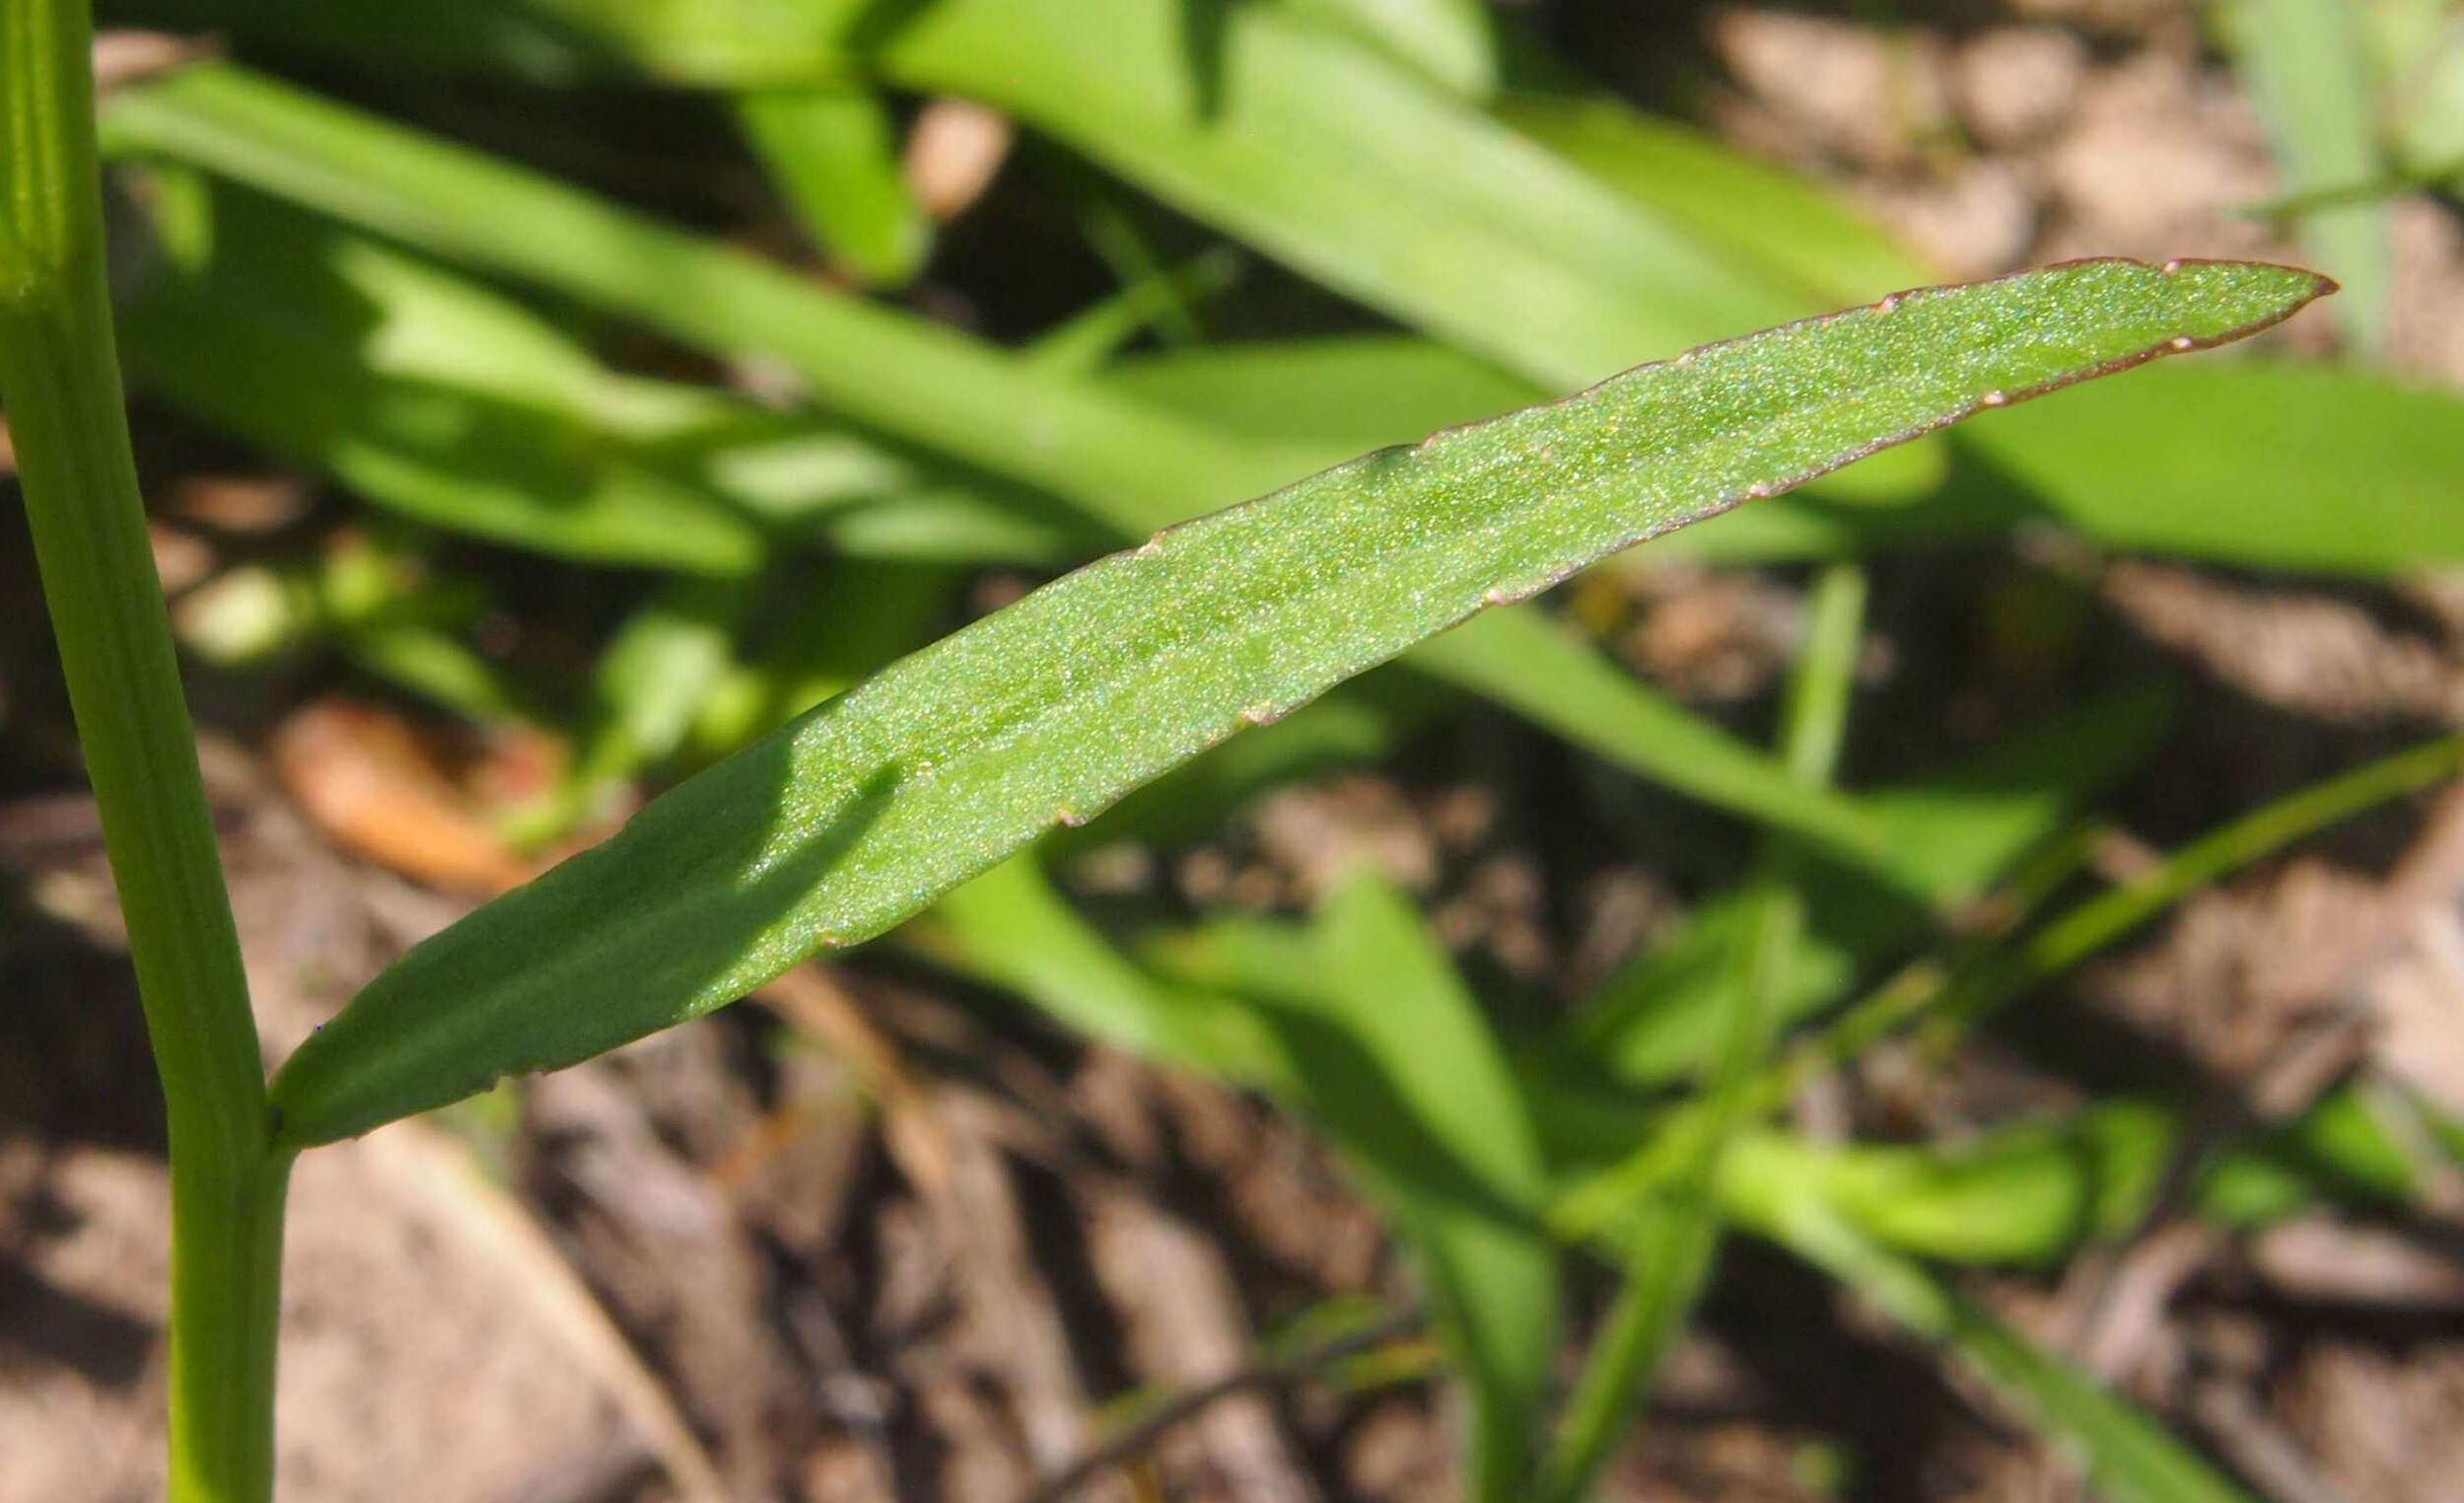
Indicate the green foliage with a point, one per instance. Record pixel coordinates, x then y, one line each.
832 151
1449 42
849 821
322 284
2127 1456
445 401
1677 1230
1124 464
2242 462
1360 1023
1955 833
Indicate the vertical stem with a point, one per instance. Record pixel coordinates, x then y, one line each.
59 377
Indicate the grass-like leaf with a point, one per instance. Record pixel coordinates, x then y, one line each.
1372 1037
832 151
1653 1021
856 815
1446 42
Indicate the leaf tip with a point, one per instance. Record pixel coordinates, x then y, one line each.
2232 300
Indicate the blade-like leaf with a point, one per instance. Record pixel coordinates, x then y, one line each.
1373 1038
1332 156
1652 1020
429 395
1799 233
2343 471
1125 462
1544 670
1009 928
832 152
443 399
925 382
856 815
1306 143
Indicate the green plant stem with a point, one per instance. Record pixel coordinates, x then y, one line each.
60 380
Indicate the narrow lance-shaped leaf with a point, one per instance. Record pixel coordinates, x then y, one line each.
856 815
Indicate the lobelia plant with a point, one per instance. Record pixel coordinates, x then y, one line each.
859 813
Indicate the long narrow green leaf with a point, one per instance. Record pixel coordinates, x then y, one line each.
856 815
429 396
1650 1022
1338 161
1376 1043
1988 979
2255 462
1797 232
1305 142
1353 726
1531 663
2031 1194
1122 461
924 382
831 151
1328 398
1794 232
